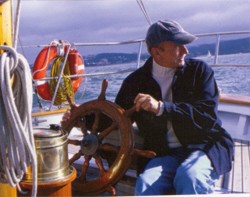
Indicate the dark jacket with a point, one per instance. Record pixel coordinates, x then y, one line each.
193 112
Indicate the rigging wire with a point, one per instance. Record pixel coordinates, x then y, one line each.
16 24
144 11
21 46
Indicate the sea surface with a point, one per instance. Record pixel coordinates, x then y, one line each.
231 79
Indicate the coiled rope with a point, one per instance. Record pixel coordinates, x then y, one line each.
17 147
65 88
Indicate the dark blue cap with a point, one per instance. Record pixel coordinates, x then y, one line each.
168 30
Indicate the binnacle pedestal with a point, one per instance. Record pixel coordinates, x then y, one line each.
54 172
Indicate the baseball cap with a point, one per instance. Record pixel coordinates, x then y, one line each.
168 30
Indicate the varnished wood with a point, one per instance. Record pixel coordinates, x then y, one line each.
110 176
45 113
56 188
235 99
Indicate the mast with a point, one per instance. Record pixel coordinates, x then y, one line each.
6 39
5 22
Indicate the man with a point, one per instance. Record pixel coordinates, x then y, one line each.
176 112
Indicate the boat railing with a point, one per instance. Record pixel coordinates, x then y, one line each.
141 42
218 35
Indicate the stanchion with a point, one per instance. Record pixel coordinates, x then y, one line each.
54 172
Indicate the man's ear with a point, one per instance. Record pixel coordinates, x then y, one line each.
155 53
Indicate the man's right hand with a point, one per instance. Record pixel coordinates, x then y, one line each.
147 103
66 116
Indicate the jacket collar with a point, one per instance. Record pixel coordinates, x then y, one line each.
148 66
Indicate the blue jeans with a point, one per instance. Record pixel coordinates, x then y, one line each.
183 172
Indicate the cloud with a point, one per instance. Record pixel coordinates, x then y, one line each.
119 20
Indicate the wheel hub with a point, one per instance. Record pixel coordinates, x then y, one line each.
89 144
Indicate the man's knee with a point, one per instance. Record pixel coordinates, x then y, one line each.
143 186
184 180
189 180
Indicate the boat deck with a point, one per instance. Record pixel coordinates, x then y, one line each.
236 181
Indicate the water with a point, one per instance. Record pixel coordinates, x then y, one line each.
231 80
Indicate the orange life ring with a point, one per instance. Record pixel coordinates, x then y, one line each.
42 62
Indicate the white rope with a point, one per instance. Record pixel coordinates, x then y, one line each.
16 138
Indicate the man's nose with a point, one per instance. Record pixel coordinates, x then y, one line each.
184 49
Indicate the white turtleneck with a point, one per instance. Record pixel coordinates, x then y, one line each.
164 77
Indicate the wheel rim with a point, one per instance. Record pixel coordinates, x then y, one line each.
123 158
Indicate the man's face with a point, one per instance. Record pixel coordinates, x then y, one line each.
169 54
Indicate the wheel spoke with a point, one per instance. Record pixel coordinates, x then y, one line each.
96 123
82 124
111 190
144 153
130 111
75 157
107 131
85 167
109 148
97 113
98 161
74 142
102 96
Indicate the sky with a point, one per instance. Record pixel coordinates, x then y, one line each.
81 21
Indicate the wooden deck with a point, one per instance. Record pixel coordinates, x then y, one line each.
238 179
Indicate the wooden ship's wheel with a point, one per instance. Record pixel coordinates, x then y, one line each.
93 144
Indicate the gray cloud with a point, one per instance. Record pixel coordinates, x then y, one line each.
119 20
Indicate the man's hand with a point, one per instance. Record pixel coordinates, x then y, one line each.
146 102
66 116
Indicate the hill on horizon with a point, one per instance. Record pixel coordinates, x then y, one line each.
226 47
